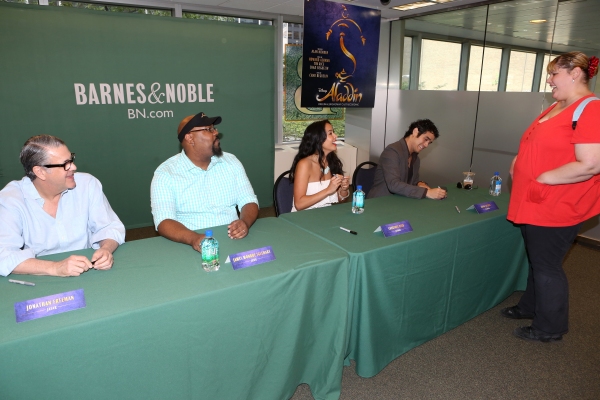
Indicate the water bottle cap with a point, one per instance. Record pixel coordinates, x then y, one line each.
496 173
208 233
358 187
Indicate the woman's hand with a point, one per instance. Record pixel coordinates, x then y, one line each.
344 190
586 166
334 184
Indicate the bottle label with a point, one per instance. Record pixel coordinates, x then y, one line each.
210 250
359 200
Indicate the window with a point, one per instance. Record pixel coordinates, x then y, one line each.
111 8
293 33
544 75
21 1
296 118
440 65
491 69
520 71
223 18
406 57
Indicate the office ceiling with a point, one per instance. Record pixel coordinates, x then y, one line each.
296 7
576 22
576 25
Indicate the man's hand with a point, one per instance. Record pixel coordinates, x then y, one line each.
72 266
102 259
177 232
197 242
237 229
423 185
436 194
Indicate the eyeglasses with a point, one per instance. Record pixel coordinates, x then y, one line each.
211 130
66 165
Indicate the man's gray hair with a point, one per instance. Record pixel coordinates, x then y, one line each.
35 152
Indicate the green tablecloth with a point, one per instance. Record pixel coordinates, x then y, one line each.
157 326
408 289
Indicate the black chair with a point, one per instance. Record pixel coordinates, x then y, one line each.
364 176
283 194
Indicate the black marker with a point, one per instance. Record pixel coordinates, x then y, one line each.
349 231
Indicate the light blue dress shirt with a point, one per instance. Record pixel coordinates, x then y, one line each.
197 198
83 219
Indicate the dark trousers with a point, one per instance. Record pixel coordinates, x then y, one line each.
547 293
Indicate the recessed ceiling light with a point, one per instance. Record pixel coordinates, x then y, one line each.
419 4
412 6
538 21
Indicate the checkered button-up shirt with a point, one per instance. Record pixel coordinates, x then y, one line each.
197 198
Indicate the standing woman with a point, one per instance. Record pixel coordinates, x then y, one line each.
556 186
317 171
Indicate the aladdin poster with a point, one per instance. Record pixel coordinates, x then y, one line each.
341 44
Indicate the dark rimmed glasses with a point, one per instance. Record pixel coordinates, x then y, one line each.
211 130
66 165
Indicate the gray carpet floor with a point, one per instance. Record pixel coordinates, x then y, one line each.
482 360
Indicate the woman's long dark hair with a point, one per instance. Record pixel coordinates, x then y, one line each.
312 143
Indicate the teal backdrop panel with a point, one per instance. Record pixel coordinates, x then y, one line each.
115 86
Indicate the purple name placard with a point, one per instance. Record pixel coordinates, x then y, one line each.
252 257
485 207
396 228
49 305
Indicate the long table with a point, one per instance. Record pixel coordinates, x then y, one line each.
156 326
408 289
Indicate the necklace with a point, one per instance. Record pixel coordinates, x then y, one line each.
325 171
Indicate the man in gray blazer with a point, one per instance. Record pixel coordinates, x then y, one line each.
398 169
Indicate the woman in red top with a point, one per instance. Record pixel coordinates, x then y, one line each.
556 186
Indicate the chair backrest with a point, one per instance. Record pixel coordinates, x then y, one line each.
364 176
283 194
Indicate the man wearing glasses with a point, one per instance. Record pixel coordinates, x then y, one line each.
53 210
201 186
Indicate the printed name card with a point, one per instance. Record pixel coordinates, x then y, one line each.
49 305
484 207
251 257
395 228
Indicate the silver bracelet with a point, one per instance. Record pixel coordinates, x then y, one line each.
344 197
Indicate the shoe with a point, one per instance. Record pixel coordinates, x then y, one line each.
533 335
514 312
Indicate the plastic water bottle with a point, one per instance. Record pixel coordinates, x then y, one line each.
358 200
495 184
210 252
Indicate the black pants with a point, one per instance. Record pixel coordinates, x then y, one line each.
547 293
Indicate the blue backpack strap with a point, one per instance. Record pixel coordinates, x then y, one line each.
579 110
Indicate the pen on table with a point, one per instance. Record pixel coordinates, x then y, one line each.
348 230
22 282
457 209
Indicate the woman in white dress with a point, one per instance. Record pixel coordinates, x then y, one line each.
316 172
